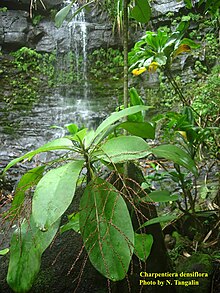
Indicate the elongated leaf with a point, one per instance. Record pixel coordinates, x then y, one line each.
141 11
57 144
106 229
118 115
28 180
160 196
4 251
62 14
177 155
54 193
141 129
27 245
160 219
124 148
142 245
135 100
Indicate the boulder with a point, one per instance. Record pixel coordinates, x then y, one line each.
13 28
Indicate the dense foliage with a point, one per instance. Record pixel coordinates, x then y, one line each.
109 217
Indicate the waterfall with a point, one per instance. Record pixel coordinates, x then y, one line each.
72 62
78 39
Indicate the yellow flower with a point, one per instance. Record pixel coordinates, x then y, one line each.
183 134
138 71
181 49
153 67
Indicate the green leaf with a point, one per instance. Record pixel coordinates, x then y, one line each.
119 115
79 136
190 43
141 129
28 180
177 155
106 229
72 128
188 4
26 247
157 220
135 100
142 245
160 196
62 14
123 148
73 223
54 193
4 251
141 11
57 144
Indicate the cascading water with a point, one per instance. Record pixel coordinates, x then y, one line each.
75 101
78 38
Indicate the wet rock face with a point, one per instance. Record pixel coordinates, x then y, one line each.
15 4
164 6
16 29
13 28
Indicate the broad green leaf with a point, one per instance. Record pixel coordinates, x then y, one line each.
106 229
160 196
141 129
117 116
73 223
141 11
28 180
57 144
62 14
4 251
157 220
142 245
177 155
26 247
54 193
123 148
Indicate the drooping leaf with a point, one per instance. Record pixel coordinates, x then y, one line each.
141 129
62 14
106 229
4 251
142 245
117 116
177 155
160 219
54 193
57 144
141 12
160 196
123 148
26 247
28 180
73 223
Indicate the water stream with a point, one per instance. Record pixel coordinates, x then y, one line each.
79 103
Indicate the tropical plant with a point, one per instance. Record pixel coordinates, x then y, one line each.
103 218
158 50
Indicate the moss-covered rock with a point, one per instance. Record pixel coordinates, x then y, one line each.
195 274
